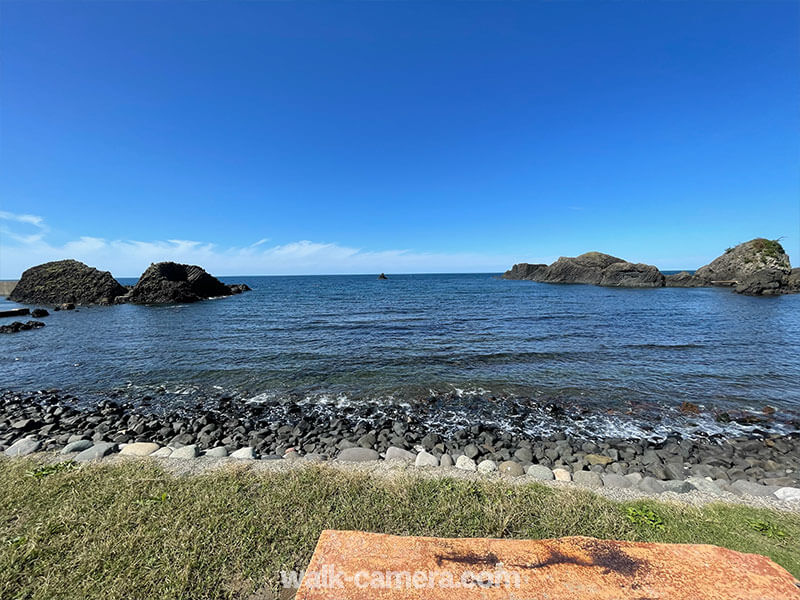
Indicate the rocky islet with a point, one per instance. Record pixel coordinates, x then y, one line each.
759 267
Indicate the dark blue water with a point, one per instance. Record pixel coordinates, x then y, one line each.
458 339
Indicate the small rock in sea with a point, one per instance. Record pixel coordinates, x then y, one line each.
244 453
185 452
615 481
743 487
511 468
425 459
38 313
23 447
218 452
446 461
77 446
139 449
588 479
705 485
598 459
465 463
393 453
788 494
562 475
357 455
651 485
543 473
487 466
679 487
162 453
96 452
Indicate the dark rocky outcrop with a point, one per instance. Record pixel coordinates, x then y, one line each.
593 268
169 282
524 271
238 288
66 281
766 282
382 276
742 261
18 326
15 312
634 275
38 313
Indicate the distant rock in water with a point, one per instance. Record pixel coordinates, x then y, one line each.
382 276
66 281
741 261
18 326
169 282
238 288
593 268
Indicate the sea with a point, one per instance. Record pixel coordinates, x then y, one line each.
460 348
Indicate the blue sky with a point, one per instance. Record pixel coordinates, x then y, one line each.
264 137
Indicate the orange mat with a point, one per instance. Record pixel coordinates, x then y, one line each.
351 565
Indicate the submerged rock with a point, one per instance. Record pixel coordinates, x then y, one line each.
169 282
66 281
18 326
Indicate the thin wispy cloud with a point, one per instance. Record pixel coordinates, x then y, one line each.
130 257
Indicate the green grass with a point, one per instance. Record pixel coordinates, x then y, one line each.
133 531
770 248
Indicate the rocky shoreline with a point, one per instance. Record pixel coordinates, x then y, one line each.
765 464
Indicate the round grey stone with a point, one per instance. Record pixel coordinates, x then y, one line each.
465 463
487 466
541 473
588 479
446 461
357 455
246 453
511 468
788 494
23 447
185 452
218 452
96 452
396 454
425 459
77 446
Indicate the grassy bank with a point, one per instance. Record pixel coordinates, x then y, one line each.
133 531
